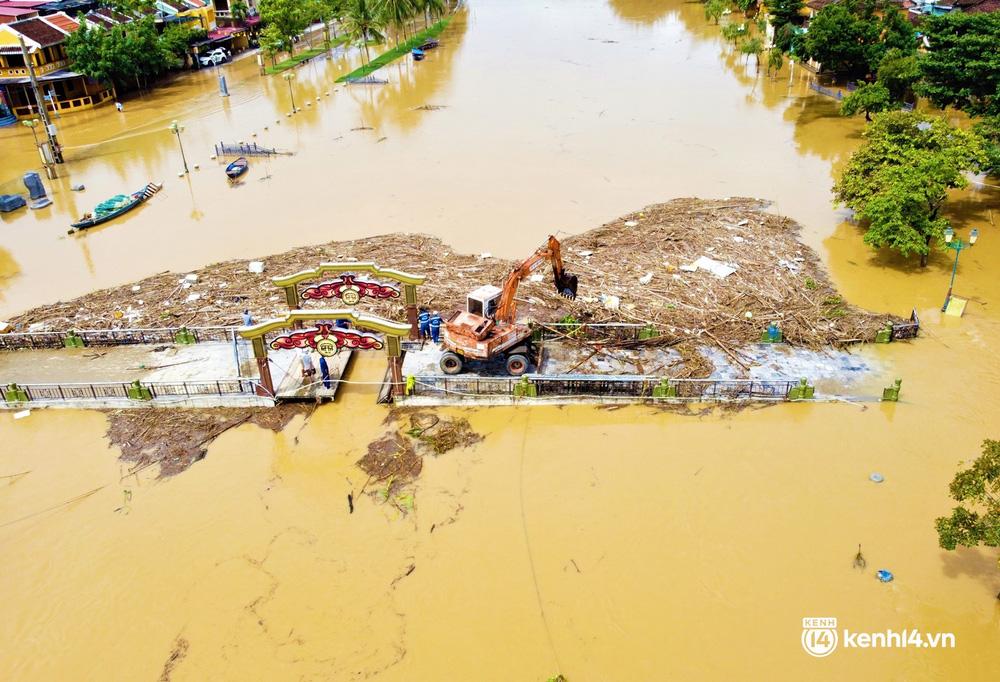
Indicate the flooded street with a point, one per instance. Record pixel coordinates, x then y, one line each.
627 544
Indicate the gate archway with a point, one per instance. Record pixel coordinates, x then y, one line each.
350 289
327 340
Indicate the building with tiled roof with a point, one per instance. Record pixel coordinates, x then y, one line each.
9 14
38 32
116 17
64 90
99 21
62 22
977 6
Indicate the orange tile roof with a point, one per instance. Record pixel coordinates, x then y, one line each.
62 21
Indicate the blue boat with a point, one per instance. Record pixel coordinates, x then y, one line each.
417 53
237 168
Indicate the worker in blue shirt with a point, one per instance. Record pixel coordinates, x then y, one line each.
424 321
247 319
435 325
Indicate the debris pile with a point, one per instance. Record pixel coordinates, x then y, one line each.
701 272
177 438
442 435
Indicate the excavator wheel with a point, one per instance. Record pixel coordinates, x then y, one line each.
517 364
450 363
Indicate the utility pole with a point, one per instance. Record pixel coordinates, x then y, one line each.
55 151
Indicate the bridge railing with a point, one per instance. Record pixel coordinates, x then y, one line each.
113 337
58 392
592 385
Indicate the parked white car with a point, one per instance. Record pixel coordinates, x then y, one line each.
215 57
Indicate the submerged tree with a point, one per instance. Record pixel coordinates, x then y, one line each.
775 60
898 180
397 13
753 46
714 9
976 521
898 72
363 23
989 130
870 98
271 42
733 32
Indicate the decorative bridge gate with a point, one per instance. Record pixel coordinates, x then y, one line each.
327 339
350 288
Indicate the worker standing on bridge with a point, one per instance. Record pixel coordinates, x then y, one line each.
435 324
424 321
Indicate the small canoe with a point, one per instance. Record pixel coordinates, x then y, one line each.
429 45
116 206
237 168
417 53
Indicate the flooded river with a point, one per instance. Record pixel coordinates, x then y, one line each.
605 545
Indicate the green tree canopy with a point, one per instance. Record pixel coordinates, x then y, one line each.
288 17
715 8
897 31
786 12
845 38
126 54
962 67
898 72
869 98
775 60
239 10
753 46
976 521
733 32
271 42
898 180
989 130
362 22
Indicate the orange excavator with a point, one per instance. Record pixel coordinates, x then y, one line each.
488 327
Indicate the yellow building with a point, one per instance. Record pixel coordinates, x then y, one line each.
63 89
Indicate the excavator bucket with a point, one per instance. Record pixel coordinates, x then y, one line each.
566 285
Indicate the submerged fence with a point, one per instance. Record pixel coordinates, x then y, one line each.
26 393
244 149
605 386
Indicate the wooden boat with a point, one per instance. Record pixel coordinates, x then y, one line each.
237 168
417 53
429 45
116 206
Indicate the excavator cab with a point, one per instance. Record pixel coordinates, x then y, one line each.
484 301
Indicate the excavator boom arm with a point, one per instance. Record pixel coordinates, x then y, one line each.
565 284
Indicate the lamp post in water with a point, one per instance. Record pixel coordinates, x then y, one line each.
288 76
176 128
957 245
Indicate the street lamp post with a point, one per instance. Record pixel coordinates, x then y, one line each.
957 245
288 76
176 128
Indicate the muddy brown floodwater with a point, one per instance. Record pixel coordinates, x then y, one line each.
605 545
